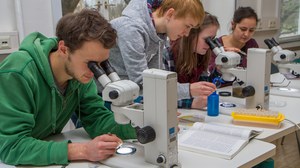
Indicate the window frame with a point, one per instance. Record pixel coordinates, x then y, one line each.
289 39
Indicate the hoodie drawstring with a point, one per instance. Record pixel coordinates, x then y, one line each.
53 114
79 112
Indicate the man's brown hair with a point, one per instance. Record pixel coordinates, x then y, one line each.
87 25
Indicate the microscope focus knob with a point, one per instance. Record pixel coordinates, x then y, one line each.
224 59
248 91
161 159
146 134
282 56
113 94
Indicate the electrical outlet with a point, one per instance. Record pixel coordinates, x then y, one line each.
272 24
259 25
4 42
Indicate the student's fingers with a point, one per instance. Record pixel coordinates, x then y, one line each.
109 138
211 85
201 89
232 49
102 147
102 154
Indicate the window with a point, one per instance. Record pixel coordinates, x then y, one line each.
110 9
290 21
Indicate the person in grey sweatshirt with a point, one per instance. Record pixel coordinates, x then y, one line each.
143 29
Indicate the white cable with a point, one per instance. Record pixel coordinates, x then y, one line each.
293 123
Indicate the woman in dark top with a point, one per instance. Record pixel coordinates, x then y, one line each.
243 27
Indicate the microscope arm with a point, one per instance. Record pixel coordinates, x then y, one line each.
120 93
155 121
229 74
283 58
227 60
132 114
286 68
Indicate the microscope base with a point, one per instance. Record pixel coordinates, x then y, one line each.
135 160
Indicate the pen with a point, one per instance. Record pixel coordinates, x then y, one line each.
119 145
131 140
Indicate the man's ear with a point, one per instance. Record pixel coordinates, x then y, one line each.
233 25
170 12
62 47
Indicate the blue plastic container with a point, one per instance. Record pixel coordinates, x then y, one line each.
213 104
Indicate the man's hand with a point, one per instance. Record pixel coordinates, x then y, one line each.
100 148
202 89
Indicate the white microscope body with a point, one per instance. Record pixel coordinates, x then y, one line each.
283 58
155 120
256 76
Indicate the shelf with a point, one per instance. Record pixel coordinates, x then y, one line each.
8 51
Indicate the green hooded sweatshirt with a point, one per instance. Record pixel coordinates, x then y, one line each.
32 108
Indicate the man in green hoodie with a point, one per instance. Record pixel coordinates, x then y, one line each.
48 79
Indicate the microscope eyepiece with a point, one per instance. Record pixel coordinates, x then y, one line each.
269 43
274 41
218 42
96 69
210 43
107 67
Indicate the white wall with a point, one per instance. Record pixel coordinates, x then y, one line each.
26 16
224 10
37 15
267 10
19 18
8 28
7 16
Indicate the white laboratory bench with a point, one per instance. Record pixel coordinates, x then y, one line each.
285 87
267 134
289 106
255 152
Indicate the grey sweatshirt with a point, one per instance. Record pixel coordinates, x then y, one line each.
138 47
